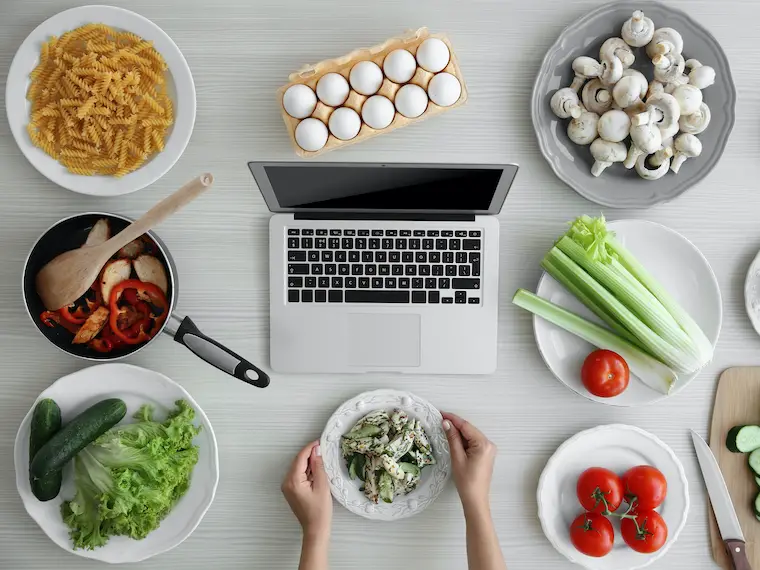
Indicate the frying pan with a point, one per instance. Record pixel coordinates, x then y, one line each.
70 233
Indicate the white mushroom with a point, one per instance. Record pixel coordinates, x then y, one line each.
700 76
565 103
682 79
585 68
668 68
606 153
616 47
654 88
638 30
696 122
663 111
614 126
689 98
643 170
687 146
596 97
665 153
645 139
665 40
612 71
583 130
641 78
627 92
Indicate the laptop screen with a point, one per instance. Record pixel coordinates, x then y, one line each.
407 188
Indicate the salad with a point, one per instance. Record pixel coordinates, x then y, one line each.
388 453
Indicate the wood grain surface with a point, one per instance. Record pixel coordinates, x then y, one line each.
240 53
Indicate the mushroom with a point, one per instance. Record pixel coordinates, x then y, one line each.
668 68
617 48
663 111
583 130
696 122
700 76
645 139
665 153
612 71
606 153
643 83
565 103
609 71
627 92
638 30
643 169
665 40
596 97
687 146
689 98
682 79
654 88
614 126
585 68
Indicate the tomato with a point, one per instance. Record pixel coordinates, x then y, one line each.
599 490
647 534
592 534
646 485
605 374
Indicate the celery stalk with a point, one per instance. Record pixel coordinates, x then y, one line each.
649 370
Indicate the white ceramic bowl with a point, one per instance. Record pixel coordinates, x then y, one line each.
677 264
618 448
136 386
347 492
180 88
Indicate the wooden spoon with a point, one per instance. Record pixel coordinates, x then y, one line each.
68 276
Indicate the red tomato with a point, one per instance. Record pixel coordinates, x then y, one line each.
650 534
600 490
646 485
605 374
592 534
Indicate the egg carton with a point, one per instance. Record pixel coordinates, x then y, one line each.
309 75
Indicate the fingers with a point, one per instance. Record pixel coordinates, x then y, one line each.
469 432
456 445
318 475
301 462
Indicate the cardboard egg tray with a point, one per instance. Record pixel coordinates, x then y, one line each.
310 75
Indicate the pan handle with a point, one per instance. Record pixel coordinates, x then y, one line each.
218 355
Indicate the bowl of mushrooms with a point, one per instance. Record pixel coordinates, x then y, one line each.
634 104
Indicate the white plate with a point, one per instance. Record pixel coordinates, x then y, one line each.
180 88
677 264
136 386
752 293
618 448
347 492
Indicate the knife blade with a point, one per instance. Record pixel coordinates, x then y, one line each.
720 499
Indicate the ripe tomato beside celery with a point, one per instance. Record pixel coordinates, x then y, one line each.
645 531
592 534
600 490
605 374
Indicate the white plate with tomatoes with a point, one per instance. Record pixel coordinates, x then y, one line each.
637 474
678 265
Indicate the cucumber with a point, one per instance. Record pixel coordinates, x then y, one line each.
743 439
757 505
410 468
356 467
754 461
76 435
757 480
45 423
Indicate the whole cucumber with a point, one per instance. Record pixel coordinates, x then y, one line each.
45 423
76 435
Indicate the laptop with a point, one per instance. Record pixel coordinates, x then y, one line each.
383 267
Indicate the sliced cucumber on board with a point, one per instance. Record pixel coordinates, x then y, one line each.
754 462
743 439
757 505
45 423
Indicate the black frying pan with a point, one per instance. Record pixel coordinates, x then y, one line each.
71 233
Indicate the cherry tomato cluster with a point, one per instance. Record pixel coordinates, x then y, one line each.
601 492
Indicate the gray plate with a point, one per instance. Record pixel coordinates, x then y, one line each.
618 187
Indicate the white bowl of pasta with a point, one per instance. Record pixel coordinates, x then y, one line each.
100 100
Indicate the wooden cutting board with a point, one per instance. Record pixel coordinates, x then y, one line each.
736 402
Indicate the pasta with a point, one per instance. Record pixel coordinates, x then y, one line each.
98 101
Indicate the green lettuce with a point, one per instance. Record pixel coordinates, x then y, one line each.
129 479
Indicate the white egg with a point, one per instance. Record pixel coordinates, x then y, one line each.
345 123
433 55
299 101
399 66
411 100
332 89
444 89
311 134
378 112
366 77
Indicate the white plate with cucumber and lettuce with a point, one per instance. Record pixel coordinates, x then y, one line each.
632 287
116 463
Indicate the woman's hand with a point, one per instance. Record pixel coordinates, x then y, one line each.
472 460
308 492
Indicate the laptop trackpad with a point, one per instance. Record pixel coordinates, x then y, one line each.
384 340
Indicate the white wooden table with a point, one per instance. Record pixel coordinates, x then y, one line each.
240 51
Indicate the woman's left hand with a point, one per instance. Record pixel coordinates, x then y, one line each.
307 491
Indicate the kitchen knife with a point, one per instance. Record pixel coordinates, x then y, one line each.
725 515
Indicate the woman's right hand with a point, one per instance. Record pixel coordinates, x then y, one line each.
472 461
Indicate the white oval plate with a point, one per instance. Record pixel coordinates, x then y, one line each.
180 88
677 264
347 492
752 293
136 386
618 448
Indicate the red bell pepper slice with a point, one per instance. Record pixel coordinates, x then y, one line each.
138 309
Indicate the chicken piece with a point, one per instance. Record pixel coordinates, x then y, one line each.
100 233
150 270
132 249
114 273
92 326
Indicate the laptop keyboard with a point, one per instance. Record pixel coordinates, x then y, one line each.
384 266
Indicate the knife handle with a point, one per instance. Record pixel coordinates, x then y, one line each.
737 551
